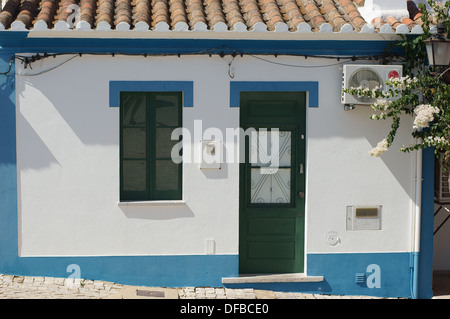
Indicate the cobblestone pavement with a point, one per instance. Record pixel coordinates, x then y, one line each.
20 287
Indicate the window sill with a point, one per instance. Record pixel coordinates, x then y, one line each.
154 203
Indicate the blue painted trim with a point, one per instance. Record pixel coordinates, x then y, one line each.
415 275
425 257
115 87
19 42
237 87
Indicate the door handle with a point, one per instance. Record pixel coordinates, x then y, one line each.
301 194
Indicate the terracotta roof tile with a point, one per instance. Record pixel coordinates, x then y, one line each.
291 13
214 12
47 11
233 14
195 12
271 13
63 11
414 12
334 17
142 12
177 11
198 15
105 12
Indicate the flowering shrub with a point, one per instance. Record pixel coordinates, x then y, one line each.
380 148
424 115
440 14
421 94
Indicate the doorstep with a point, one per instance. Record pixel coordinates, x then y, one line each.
272 278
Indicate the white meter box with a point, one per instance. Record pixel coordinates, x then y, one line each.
363 217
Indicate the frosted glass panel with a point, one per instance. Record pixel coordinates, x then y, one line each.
285 148
270 186
263 148
281 186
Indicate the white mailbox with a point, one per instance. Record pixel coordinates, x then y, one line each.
211 152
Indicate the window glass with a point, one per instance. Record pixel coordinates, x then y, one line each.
147 170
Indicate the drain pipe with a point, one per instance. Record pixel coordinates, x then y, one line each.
417 222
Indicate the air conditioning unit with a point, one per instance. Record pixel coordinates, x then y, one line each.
367 76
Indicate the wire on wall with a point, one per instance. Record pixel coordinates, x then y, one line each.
27 61
9 68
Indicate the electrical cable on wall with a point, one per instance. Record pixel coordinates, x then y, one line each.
9 68
28 60
50 69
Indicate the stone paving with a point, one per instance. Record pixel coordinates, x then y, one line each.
21 287
225 293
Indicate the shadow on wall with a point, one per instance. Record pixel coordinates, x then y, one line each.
7 125
35 145
85 108
160 213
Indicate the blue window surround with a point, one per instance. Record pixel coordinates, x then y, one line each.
203 270
115 87
312 88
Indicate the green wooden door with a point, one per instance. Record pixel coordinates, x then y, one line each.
272 201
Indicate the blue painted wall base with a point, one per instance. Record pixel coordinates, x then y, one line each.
153 271
385 275
339 270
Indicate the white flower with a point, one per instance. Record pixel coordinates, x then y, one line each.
381 147
437 140
424 115
401 83
382 104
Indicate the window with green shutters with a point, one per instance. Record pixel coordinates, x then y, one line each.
147 171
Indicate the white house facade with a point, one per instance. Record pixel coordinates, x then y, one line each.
89 180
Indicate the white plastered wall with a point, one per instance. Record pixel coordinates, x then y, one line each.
68 162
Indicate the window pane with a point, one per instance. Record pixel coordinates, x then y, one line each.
281 186
262 144
270 185
167 109
285 148
134 175
147 171
164 144
260 187
134 142
134 110
167 176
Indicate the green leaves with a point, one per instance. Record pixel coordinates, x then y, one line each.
420 93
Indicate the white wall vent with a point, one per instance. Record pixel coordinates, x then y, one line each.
367 76
363 217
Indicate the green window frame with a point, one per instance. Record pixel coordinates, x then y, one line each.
147 171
